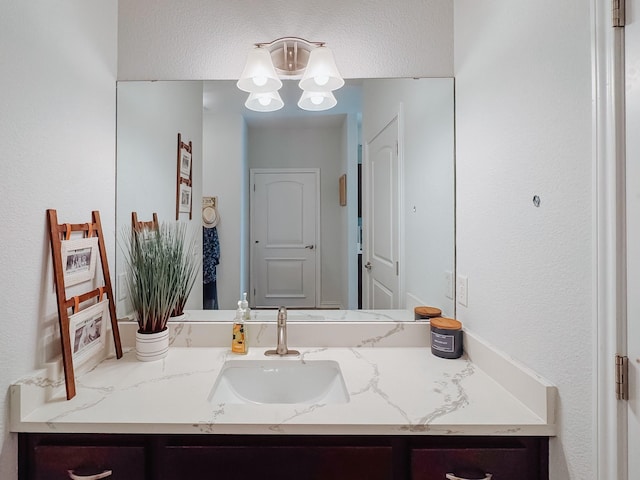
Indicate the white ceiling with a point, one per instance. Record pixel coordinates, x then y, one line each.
209 39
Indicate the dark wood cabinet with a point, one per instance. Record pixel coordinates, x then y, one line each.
502 457
283 457
51 457
286 463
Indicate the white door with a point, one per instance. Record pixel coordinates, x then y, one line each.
284 208
380 223
632 80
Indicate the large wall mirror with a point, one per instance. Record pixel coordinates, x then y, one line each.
348 208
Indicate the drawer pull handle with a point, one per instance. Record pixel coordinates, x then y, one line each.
451 476
97 476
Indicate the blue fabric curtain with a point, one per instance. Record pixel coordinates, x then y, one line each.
210 259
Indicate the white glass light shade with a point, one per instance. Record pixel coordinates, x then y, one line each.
317 101
258 75
264 102
321 74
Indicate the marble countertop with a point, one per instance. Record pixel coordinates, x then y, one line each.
393 389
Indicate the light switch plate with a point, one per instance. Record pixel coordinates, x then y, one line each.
462 286
448 284
122 291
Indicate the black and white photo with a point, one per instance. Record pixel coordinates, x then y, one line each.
185 198
79 258
87 331
185 162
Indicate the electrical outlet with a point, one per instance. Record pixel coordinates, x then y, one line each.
122 290
448 284
462 286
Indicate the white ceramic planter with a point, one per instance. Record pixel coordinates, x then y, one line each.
152 346
179 318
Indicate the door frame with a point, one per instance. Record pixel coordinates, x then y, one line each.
318 249
366 192
609 255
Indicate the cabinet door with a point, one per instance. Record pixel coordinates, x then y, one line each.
502 463
281 462
53 462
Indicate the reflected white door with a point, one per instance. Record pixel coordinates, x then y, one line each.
632 80
380 249
284 208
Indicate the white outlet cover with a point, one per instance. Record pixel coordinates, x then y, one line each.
448 284
122 291
462 286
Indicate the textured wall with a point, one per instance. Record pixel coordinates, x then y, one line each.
523 128
57 128
209 39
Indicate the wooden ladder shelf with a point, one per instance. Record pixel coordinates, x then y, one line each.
56 232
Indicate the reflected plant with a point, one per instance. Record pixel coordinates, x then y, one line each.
188 262
161 266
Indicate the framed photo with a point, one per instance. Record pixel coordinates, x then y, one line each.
87 330
185 162
185 198
79 257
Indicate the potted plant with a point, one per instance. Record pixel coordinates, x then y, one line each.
161 265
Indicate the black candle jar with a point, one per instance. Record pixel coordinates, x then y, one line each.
446 337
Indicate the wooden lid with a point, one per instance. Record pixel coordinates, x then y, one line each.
427 312
445 323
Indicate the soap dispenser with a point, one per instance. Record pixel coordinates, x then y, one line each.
245 307
239 340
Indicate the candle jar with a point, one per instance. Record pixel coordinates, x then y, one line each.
446 337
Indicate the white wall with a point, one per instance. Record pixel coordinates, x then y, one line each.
426 107
225 166
159 40
57 128
523 128
150 116
311 147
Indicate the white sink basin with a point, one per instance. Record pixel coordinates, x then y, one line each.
273 381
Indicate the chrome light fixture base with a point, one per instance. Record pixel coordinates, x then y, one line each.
294 58
290 55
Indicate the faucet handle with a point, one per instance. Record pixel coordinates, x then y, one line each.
281 348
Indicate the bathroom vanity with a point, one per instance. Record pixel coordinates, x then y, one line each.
407 414
372 457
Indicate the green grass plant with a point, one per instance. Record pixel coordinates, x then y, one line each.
162 266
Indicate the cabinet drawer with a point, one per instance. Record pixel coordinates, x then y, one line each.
282 462
503 463
52 462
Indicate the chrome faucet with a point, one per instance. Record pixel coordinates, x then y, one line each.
281 347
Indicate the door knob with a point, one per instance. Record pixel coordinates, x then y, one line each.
368 266
310 247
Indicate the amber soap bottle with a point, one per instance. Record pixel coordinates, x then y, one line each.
239 339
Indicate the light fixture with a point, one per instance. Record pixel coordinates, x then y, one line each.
317 101
259 76
295 58
321 74
264 102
